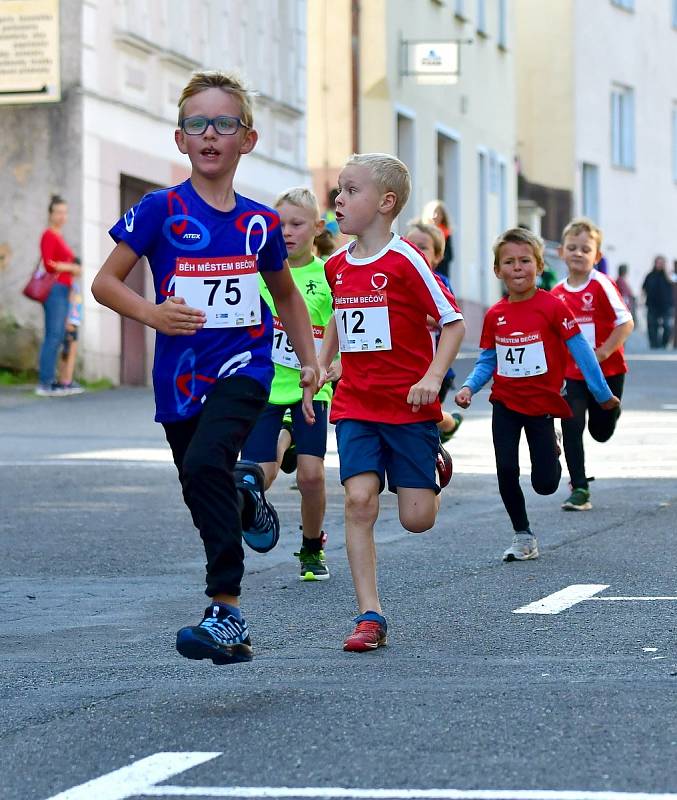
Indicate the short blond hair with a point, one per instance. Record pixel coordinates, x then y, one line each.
520 236
215 79
429 230
583 225
389 174
301 197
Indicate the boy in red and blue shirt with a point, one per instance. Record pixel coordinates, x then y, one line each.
524 343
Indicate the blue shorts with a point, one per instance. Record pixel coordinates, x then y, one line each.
406 454
310 440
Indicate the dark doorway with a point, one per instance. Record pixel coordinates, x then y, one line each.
133 366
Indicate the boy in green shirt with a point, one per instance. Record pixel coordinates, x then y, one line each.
269 441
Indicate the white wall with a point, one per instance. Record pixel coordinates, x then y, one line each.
638 208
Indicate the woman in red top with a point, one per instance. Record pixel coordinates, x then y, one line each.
57 257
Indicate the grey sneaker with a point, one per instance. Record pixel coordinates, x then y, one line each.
578 500
524 547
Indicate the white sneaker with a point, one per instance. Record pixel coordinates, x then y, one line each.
524 547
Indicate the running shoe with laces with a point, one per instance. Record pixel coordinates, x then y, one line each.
578 500
370 633
524 547
220 636
260 524
313 565
444 466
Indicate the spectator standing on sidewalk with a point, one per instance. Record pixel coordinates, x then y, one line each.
625 289
435 213
57 257
660 303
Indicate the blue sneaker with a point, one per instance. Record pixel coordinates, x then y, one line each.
220 636
260 525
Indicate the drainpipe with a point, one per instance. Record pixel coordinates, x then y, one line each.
355 61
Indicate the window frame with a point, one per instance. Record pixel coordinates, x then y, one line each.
622 129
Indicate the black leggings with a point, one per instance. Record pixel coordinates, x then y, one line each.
601 424
545 467
205 448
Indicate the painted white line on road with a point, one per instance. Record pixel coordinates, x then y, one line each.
669 406
337 793
664 597
121 454
565 598
137 778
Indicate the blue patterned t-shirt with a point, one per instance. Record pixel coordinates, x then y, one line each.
173 228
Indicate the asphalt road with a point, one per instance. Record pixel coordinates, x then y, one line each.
100 566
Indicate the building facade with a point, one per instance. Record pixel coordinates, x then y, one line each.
458 139
111 137
597 121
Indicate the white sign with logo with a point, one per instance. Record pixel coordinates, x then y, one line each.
433 62
226 289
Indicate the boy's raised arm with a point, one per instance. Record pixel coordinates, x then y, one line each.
173 317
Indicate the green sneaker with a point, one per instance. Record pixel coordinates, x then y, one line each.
313 565
578 500
446 435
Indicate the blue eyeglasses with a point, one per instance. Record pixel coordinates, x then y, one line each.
224 126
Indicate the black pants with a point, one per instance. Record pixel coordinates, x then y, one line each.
659 324
546 470
601 424
205 449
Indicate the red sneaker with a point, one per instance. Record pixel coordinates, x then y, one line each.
368 635
445 467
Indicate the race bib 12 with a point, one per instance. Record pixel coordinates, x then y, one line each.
362 322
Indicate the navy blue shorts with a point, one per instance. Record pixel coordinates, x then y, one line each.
310 440
405 454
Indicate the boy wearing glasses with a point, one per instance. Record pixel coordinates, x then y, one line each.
212 372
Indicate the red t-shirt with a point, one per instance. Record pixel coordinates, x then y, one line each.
381 306
54 248
529 338
598 308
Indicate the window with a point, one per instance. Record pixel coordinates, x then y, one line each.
674 143
623 127
482 17
459 8
674 13
503 23
590 193
628 5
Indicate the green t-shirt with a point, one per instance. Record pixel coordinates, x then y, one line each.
314 288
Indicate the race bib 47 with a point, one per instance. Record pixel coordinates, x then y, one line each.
520 356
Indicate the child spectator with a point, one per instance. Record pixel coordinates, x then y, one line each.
206 245
300 223
524 342
429 240
386 404
606 323
69 350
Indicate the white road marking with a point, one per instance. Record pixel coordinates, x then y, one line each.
121 454
137 778
565 598
338 793
662 597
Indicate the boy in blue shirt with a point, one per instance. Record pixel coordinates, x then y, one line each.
212 371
